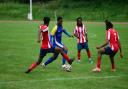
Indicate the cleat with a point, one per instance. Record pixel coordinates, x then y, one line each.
96 69
71 60
113 70
28 71
63 66
43 65
79 61
90 60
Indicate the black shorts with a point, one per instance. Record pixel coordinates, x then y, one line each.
81 46
43 52
109 51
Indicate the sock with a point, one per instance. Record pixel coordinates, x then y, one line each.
98 62
63 59
89 54
66 57
33 66
78 55
48 61
113 66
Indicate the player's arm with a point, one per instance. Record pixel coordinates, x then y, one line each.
86 35
103 45
106 42
120 48
53 32
67 33
75 34
121 54
39 36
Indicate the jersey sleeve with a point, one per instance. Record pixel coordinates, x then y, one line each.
54 30
43 28
108 35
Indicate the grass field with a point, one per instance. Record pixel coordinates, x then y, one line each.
18 49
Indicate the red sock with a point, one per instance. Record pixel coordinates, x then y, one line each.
78 55
33 66
89 54
66 57
98 62
113 66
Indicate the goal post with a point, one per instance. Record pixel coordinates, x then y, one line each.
30 17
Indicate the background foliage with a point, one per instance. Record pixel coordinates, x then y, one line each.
91 10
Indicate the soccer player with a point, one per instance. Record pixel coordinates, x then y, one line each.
110 47
80 32
56 37
46 46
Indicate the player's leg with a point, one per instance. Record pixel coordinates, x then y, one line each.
51 59
41 56
100 52
79 47
88 52
111 55
112 63
59 50
65 49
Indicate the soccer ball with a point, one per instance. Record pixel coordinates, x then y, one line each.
67 67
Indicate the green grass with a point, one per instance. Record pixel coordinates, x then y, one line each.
18 49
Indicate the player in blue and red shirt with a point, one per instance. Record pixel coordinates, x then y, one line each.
56 37
110 47
46 46
80 32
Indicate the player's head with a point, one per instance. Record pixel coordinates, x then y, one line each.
59 20
79 21
108 24
46 20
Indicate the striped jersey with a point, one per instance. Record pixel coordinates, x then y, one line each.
80 32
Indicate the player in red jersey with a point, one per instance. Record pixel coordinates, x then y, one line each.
110 47
82 39
46 46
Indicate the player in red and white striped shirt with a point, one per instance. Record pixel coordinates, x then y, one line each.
82 40
46 46
110 47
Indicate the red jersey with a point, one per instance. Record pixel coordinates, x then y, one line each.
80 32
113 37
45 37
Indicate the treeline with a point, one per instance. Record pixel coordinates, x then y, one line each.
67 1
89 9
24 1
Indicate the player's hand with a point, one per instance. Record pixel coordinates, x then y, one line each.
72 36
38 41
97 47
78 37
121 55
86 40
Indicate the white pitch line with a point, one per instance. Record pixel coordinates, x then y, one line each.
62 79
92 35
